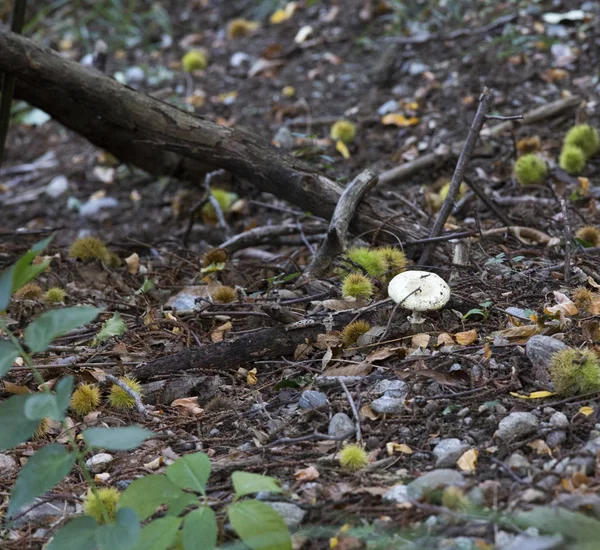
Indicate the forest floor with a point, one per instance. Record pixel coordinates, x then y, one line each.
454 385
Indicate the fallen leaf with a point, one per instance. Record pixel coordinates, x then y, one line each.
534 395
15 389
361 369
540 447
445 339
468 460
307 474
466 338
303 34
586 411
341 148
563 305
519 333
399 120
188 406
252 379
133 263
368 412
392 447
420 340
326 358
218 334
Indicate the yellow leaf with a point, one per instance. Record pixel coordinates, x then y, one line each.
393 447
227 98
280 16
585 185
399 120
586 411
468 460
534 395
466 338
342 149
252 379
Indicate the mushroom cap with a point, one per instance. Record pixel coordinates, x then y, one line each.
419 290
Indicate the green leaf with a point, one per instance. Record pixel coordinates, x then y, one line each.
6 279
245 483
77 534
200 529
160 534
146 494
15 427
42 471
115 326
259 526
180 504
8 354
24 272
572 525
51 324
147 286
116 439
122 534
42 405
190 472
64 389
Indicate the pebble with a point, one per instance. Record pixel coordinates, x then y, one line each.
99 463
340 425
559 420
397 494
556 438
434 480
45 513
390 388
516 425
291 514
390 106
518 463
135 75
284 138
57 186
388 405
92 207
527 542
539 351
312 399
7 463
448 451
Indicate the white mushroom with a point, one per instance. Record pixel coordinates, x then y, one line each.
419 291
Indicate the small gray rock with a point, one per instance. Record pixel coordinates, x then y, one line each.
312 399
433 480
340 425
390 388
46 513
135 75
57 186
556 438
390 106
397 494
99 463
94 206
526 542
284 138
388 405
292 514
593 445
448 451
517 424
518 463
539 351
559 420
7 463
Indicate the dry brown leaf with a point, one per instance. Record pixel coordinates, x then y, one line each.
521 334
188 406
540 447
361 369
563 305
133 263
306 474
327 340
421 340
302 351
368 412
252 379
467 337
445 339
393 447
326 358
15 389
456 379
380 354
218 334
468 461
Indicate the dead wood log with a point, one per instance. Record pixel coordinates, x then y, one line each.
161 139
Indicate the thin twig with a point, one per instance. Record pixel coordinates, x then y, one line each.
132 393
459 172
316 436
568 238
354 411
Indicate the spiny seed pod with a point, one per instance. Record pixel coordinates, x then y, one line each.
585 137
224 294
589 234
395 260
225 200
575 372
88 248
343 130
92 504
30 291
353 331
572 160
353 458
55 295
238 28
85 399
530 170
194 60
215 256
583 298
119 398
42 429
369 260
462 190
358 286
219 403
528 145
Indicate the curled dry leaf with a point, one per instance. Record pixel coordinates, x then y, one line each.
563 305
466 338
393 447
540 447
445 339
362 369
188 406
218 334
468 461
306 474
252 379
133 263
421 340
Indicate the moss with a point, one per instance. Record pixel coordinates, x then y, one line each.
371 261
575 372
343 130
585 137
194 60
358 286
530 170
353 458
353 331
589 235
572 160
